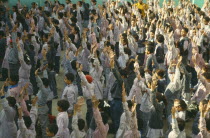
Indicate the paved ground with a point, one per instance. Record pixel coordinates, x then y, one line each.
60 86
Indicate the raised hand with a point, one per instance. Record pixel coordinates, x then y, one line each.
173 111
36 72
34 101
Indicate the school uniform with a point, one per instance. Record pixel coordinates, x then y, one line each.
24 74
30 132
76 133
8 127
70 94
176 133
88 92
42 105
101 129
63 122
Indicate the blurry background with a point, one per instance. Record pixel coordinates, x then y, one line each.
40 2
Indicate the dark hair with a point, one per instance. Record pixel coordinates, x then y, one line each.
206 75
206 18
81 124
150 49
74 64
160 38
11 101
70 76
204 101
60 15
185 29
208 124
130 104
53 128
161 98
45 82
27 121
181 124
14 78
63 104
182 103
160 72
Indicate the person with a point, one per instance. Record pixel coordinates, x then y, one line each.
8 127
88 88
178 126
156 122
42 95
63 119
161 84
78 124
151 59
51 130
26 124
102 128
204 123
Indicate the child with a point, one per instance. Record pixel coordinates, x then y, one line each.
51 130
151 59
161 84
7 124
70 92
178 126
78 125
42 95
26 124
53 83
156 122
181 108
14 91
204 124
102 128
88 88
128 121
62 119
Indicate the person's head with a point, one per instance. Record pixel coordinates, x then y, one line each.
51 130
206 76
181 124
160 38
69 78
184 32
45 82
60 15
206 20
160 73
81 124
13 80
27 121
11 101
149 50
203 102
62 105
180 105
161 98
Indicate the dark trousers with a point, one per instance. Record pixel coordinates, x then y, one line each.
49 105
116 112
89 113
33 80
57 64
4 73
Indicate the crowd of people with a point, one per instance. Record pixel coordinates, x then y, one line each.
137 67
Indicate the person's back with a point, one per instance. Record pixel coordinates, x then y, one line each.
8 127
